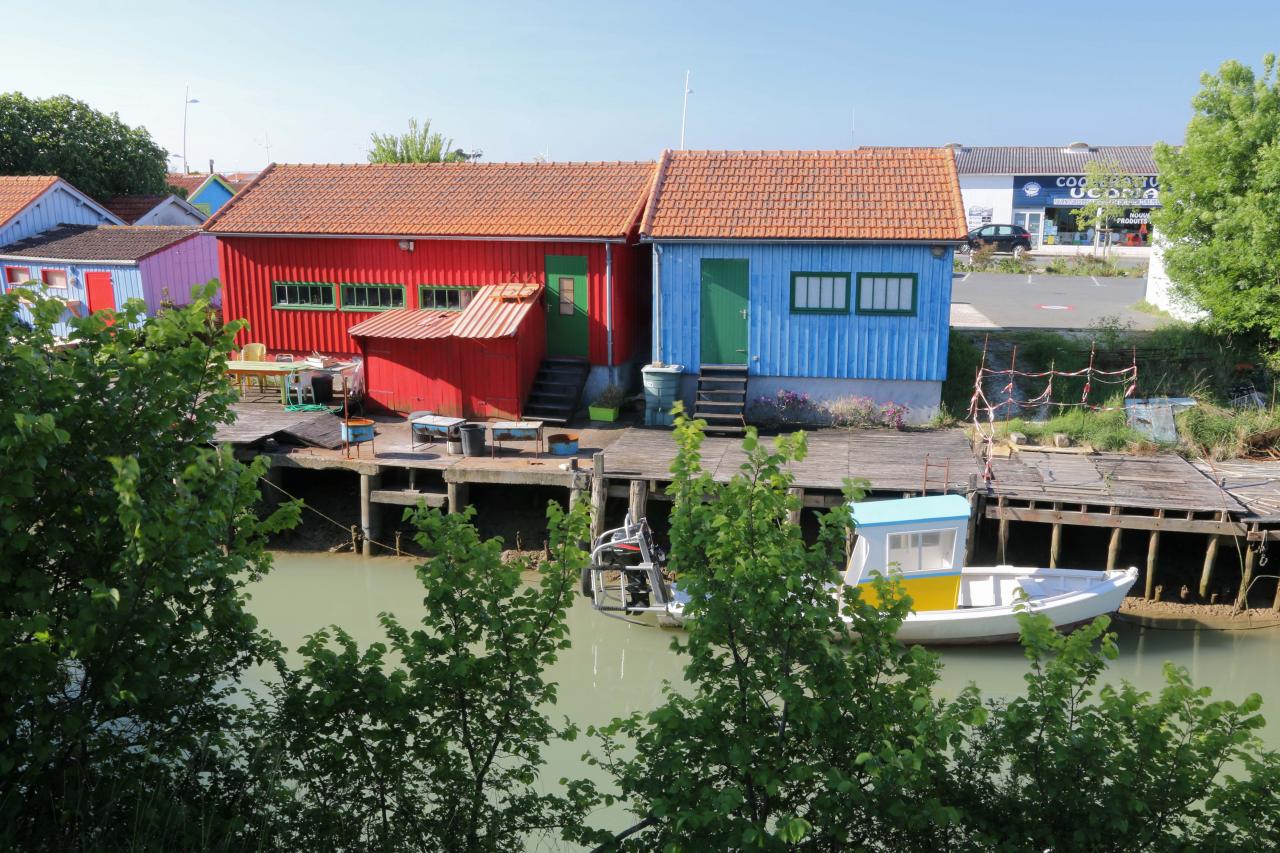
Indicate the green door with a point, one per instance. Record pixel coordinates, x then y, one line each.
567 305
724 311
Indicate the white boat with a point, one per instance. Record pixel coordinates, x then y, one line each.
920 541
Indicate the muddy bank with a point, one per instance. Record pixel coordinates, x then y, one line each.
1180 614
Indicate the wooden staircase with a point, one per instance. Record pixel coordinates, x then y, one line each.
721 400
557 389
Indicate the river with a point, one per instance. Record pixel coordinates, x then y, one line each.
614 668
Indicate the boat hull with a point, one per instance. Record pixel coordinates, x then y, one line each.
992 597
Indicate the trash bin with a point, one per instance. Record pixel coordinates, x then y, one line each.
322 387
472 439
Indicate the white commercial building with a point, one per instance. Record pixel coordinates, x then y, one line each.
1038 187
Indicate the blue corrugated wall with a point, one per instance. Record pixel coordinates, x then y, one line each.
780 343
126 281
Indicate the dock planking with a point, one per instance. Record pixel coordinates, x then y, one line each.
1160 481
1255 484
891 461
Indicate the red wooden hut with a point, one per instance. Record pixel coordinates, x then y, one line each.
308 252
477 363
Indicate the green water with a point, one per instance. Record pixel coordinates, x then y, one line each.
614 668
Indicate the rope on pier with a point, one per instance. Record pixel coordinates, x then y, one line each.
980 404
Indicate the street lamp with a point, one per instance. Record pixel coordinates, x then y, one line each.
187 101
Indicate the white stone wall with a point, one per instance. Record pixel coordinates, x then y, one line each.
993 191
1160 288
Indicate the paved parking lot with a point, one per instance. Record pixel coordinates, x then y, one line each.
984 300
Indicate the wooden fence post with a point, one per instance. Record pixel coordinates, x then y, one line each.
794 515
599 495
1002 533
1055 540
1113 548
1210 554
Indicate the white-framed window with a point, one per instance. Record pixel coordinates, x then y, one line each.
819 293
887 293
925 551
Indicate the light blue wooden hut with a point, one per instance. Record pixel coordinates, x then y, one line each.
826 273
30 204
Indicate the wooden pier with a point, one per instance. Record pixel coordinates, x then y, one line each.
1147 496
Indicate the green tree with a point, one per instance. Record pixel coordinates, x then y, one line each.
1069 765
126 544
417 145
1108 191
1220 195
96 152
434 740
783 737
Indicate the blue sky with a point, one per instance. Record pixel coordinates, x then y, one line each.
602 81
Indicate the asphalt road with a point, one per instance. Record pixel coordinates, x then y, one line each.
984 300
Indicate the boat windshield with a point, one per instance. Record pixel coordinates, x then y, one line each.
923 551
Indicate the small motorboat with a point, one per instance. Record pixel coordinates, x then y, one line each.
919 541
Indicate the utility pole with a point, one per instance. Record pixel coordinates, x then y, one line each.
684 111
187 101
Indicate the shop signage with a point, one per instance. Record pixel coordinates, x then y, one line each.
1069 191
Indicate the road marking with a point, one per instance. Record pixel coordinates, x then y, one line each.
1055 307
1028 278
966 277
1096 283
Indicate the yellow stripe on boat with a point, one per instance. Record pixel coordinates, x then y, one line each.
928 591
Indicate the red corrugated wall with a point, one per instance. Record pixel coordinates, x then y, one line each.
408 375
249 265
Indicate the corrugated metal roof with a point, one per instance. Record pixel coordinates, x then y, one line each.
1051 160
497 311
407 324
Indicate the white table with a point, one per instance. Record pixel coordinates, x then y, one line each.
434 425
501 431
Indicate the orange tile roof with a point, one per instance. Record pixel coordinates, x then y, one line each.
189 182
441 200
880 194
18 191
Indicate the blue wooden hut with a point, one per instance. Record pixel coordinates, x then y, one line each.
30 204
826 273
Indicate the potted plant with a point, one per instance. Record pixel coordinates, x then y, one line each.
606 405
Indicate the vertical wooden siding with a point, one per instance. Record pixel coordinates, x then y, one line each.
851 346
56 207
408 375
177 269
249 265
125 280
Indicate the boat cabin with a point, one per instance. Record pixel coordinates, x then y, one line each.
919 540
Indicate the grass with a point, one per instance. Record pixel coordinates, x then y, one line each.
1144 307
1218 433
1101 430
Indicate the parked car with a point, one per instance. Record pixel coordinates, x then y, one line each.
1007 238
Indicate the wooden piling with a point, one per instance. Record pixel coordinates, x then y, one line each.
599 495
1002 534
1242 597
456 495
368 512
638 499
971 540
1113 548
1210 554
1055 540
1153 553
793 515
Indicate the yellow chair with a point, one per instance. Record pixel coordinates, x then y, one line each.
255 352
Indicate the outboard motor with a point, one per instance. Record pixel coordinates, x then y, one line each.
626 571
